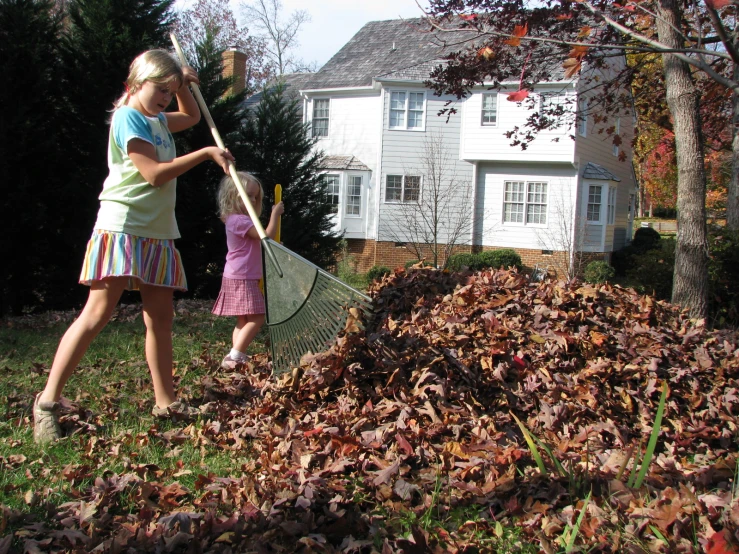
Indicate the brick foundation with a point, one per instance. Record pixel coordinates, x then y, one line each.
368 253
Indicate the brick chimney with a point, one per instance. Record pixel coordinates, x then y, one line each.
234 65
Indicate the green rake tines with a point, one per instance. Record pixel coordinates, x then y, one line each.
306 306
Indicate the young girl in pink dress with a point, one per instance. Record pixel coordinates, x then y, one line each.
240 294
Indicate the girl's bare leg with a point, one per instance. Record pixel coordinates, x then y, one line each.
101 302
158 317
247 327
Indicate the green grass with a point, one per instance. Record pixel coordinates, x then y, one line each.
113 382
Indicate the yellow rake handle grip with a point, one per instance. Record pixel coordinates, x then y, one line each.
278 199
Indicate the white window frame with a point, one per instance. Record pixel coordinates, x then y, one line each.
334 192
327 118
349 196
615 150
582 121
591 213
519 193
403 181
405 110
494 108
611 215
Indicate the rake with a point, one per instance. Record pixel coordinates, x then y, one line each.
306 306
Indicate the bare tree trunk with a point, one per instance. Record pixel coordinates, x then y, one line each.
732 194
690 284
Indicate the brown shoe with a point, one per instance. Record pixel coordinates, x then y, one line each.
46 421
176 410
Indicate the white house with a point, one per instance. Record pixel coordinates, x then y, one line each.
374 119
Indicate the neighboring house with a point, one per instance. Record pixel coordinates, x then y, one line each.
374 120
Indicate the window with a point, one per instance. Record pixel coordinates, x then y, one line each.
490 109
320 117
402 188
552 104
618 131
407 110
582 122
594 203
525 202
332 190
611 205
354 195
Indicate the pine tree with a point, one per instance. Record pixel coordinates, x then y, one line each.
30 161
275 146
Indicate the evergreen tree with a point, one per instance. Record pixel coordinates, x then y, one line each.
203 243
275 146
30 161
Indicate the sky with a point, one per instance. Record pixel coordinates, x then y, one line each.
334 22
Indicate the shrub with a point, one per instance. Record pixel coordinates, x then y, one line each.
414 262
457 261
598 272
377 272
508 258
723 274
651 272
645 239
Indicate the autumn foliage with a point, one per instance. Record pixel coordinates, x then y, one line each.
414 415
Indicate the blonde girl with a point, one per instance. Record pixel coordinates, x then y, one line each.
132 244
240 295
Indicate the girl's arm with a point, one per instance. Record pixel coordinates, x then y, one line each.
188 113
144 157
271 230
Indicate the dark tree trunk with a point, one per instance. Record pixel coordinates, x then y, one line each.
732 194
690 284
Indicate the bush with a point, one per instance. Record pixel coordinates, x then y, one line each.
507 258
723 274
377 272
651 272
645 239
414 262
457 261
598 272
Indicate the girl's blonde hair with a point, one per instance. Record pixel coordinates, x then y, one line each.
157 66
229 200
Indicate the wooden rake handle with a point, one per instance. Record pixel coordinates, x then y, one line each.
231 167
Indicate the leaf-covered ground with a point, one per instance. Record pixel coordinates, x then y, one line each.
402 437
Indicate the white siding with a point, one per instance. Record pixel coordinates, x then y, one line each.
403 151
354 131
491 230
487 142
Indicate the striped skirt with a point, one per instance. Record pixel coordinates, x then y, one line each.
143 260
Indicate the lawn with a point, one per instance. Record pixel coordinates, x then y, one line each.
474 413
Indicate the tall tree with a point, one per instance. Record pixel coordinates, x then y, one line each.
275 145
587 32
213 20
30 160
280 35
203 242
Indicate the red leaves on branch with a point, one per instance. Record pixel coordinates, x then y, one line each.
717 4
518 96
518 32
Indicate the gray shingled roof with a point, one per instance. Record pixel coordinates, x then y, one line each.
370 53
294 82
400 49
595 171
343 163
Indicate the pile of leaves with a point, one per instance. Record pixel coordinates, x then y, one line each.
402 435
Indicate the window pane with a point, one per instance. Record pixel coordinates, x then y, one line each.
513 202
415 101
594 202
489 109
320 117
536 210
415 119
397 118
394 188
397 100
412 188
354 195
332 191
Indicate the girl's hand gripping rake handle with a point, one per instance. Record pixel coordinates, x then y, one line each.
231 166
